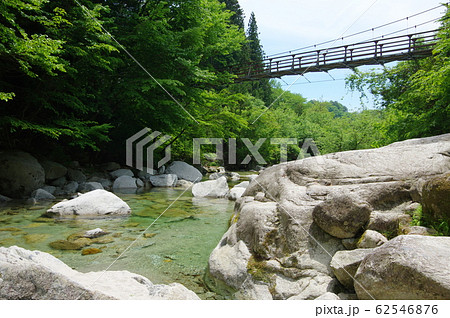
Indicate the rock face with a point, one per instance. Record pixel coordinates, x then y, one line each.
342 216
290 254
212 188
36 275
164 180
20 174
407 267
97 202
435 198
345 264
184 171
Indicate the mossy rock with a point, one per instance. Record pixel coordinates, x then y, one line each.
436 198
66 245
102 240
91 251
75 236
149 235
33 225
10 229
35 238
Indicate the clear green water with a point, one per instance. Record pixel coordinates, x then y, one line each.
184 236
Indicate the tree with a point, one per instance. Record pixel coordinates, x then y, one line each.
414 94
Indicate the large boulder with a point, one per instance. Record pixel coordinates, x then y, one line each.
407 267
371 239
435 198
97 202
125 182
164 180
20 174
33 275
345 264
212 188
342 216
279 230
235 193
53 170
184 171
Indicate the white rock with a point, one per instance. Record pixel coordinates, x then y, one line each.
212 188
184 171
243 184
97 202
164 180
328 296
94 233
235 193
184 184
37 275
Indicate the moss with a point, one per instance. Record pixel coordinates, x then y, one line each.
65 245
259 270
441 226
90 251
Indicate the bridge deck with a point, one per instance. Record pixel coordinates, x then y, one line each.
375 52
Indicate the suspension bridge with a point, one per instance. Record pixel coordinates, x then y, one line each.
373 52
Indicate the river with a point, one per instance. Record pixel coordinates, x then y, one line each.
175 248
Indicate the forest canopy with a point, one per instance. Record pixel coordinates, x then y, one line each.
79 77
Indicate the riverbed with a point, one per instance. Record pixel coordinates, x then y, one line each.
175 248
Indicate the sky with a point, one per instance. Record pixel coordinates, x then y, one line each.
286 25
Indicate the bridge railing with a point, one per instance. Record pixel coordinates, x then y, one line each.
378 51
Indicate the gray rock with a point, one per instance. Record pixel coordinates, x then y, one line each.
60 182
342 216
435 198
419 230
164 180
53 170
121 172
97 202
184 171
252 177
106 183
110 166
49 189
42 195
406 267
260 196
212 188
371 239
76 175
36 275
235 193
4 199
216 175
124 182
146 174
389 222
350 243
71 187
89 186
162 170
20 174
139 183
345 264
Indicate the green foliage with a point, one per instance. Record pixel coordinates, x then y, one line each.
440 226
415 94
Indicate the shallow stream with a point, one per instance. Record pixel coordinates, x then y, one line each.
175 248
